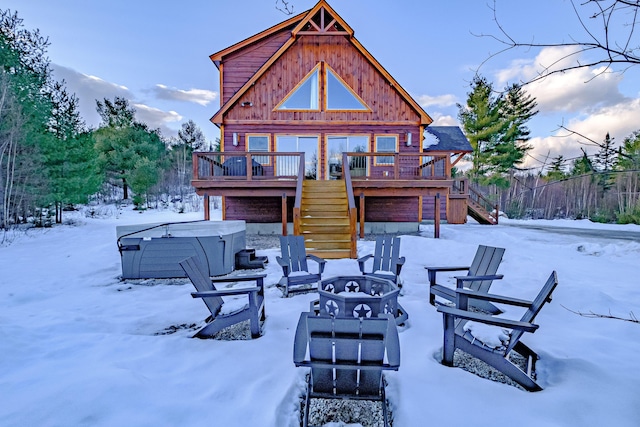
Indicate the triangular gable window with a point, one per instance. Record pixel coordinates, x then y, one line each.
305 95
340 96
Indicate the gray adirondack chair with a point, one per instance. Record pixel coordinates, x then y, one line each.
346 357
481 274
455 337
295 267
387 261
254 310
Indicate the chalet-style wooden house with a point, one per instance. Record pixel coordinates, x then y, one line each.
315 133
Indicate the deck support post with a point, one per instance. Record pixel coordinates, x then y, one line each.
362 215
207 213
436 216
284 214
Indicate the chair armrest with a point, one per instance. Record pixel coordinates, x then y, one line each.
436 269
225 292
399 265
314 306
461 279
230 278
321 262
362 260
300 343
489 320
432 271
468 293
284 265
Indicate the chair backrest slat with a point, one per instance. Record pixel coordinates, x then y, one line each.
294 252
529 316
202 283
348 343
486 262
386 254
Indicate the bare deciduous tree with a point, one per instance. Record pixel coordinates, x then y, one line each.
608 38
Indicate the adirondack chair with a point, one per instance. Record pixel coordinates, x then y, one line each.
387 261
254 310
480 276
457 336
346 357
294 265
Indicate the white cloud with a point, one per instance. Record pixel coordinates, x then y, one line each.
156 118
578 90
199 96
444 120
88 89
618 120
426 101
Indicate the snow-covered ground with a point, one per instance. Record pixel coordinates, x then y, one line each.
80 347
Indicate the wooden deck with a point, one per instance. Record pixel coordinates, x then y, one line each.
385 187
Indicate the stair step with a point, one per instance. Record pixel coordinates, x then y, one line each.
324 229
331 253
326 220
326 236
327 244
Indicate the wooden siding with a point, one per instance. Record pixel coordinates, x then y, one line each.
457 209
241 65
428 207
390 209
257 209
377 209
387 105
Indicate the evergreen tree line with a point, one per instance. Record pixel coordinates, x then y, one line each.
50 159
603 187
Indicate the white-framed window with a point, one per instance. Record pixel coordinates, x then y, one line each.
305 96
338 144
386 144
258 143
340 96
308 144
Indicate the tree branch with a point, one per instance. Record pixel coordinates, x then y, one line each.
632 317
599 40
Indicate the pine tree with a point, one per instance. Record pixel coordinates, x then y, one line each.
496 128
482 124
121 143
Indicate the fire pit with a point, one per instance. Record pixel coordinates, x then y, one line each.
359 296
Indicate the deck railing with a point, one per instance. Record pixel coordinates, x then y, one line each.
353 212
404 166
230 166
297 218
285 165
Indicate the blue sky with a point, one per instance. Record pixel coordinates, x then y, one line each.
156 53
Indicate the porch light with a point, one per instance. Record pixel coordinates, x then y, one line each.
235 139
409 139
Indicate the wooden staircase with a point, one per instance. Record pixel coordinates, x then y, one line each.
478 208
324 218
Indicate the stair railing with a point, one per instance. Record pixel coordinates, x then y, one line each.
297 221
353 212
484 203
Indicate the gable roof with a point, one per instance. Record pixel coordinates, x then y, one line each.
307 25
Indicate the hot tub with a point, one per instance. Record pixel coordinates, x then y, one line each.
150 251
